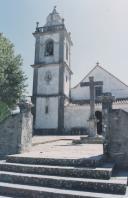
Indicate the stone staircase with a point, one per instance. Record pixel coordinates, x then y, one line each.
59 178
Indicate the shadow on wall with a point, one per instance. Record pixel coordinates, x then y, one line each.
76 131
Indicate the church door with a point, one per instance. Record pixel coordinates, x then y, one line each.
98 115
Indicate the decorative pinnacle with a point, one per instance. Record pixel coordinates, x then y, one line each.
37 24
54 9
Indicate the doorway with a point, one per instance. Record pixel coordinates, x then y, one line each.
98 115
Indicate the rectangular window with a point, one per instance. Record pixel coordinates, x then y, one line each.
46 109
98 91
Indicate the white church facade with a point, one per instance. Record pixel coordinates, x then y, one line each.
58 108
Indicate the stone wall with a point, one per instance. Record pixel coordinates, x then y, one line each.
118 137
16 134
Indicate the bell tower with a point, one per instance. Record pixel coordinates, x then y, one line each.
52 74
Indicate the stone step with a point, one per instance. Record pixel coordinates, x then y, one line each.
103 172
89 140
82 162
26 191
114 185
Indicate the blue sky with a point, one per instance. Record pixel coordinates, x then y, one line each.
99 31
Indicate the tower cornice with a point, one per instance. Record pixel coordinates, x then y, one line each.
54 29
53 64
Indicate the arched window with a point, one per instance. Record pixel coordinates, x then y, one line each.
49 48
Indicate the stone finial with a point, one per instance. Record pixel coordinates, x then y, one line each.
54 10
97 64
37 26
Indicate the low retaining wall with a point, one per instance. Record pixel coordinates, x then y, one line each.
118 137
16 134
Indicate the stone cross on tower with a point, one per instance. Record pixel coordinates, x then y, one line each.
92 119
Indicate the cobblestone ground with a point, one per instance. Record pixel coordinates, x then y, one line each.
62 147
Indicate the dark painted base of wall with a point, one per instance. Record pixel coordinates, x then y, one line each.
73 131
47 132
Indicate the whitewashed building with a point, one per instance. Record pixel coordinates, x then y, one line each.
58 108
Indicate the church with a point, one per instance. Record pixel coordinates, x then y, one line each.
58 108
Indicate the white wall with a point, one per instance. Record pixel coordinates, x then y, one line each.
43 86
77 115
111 84
119 105
49 120
43 39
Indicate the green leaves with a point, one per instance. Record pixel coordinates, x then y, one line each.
4 111
12 78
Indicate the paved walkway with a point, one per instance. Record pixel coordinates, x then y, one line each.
62 147
46 139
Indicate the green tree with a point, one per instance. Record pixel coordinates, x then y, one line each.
12 78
